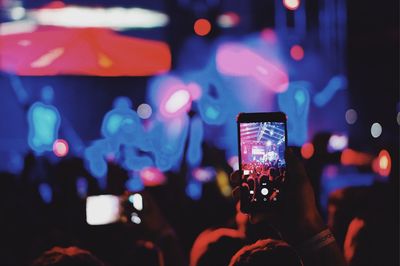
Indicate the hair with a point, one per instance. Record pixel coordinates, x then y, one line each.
215 247
58 256
266 252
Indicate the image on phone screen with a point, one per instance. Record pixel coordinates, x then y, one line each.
262 152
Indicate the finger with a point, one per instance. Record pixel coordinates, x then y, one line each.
295 168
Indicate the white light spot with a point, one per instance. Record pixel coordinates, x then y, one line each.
383 162
144 111
17 13
351 116
251 191
103 209
177 100
268 143
376 130
114 17
337 142
137 201
264 191
48 58
135 218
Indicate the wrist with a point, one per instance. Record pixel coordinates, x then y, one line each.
305 228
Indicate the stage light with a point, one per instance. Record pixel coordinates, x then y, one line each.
203 174
134 183
60 148
44 123
296 106
17 13
291 4
376 130
236 59
382 164
15 27
46 193
144 111
47 94
351 116
137 201
336 83
135 218
297 52
194 190
352 157
338 142
268 35
152 176
228 20
115 17
177 100
194 150
307 150
202 27
48 58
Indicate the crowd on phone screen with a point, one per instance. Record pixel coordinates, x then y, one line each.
180 231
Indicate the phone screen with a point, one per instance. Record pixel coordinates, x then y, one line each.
102 209
262 161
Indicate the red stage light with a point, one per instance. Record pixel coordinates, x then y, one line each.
291 4
382 164
307 150
297 52
60 148
202 27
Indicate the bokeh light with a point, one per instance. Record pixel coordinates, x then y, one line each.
60 148
144 111
307 150
202 27
228 20
398 118
297 52
376 130
291 4
382 165
351 116
338 142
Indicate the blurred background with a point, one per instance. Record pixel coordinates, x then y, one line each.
102 97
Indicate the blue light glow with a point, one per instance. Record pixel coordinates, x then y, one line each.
195 153
47 94
335 84
46 193
82 187
295 102
134 183
194 190
44 123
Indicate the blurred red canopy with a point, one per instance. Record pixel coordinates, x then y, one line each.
82 51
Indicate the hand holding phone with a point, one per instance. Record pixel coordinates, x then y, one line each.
262 146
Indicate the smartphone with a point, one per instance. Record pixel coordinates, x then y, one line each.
102 209
262 139
108 209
